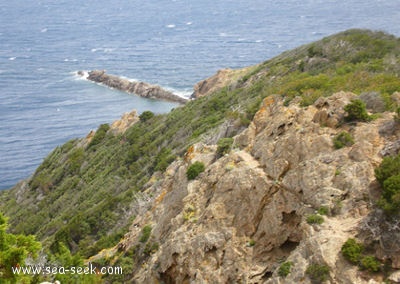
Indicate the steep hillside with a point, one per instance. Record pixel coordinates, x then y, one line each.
284 193
247 212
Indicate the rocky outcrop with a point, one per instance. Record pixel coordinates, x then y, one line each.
139 88
246 214
222 78
127 120
119 126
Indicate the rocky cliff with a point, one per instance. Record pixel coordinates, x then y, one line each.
142 89
246 214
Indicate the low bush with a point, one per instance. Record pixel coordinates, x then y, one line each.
318 272
370 263
351 250
343 139
194 170
357 111
388 175
284 269
315 219
323 210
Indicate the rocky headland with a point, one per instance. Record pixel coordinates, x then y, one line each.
142 89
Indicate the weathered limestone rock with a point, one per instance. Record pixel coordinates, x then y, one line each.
246 213
221 79
126 121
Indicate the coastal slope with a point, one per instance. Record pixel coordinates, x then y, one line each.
245 184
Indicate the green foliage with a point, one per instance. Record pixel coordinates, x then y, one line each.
352 251
99 135
163 159
150 248
343 139
356 111
390 200
323 210
388 175
194 170
146 232
390 166
370 263
315 219
146 115
224 146
318 272
285 268
14 249
75 160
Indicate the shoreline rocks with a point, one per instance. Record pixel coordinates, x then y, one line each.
141 89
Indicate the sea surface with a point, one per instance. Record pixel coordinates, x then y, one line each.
172 43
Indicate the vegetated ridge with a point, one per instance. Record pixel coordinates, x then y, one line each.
263 180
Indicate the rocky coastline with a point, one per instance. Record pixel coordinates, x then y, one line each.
142 89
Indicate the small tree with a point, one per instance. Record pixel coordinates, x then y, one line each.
99 135
388 175
356 111
14 249
146 115
194 170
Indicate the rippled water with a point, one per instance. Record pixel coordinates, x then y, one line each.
171 43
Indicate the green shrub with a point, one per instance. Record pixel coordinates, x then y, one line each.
323 210
224 146
14 249
284 269
99 135
356 111
390 200
388 175
146 231
390 166
194 170
370 263
351 250
146 115
315 219
318 272
343 139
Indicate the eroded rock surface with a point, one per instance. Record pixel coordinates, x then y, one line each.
246 213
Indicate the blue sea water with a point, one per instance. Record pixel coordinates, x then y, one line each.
173 43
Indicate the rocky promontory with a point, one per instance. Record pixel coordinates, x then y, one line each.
142 89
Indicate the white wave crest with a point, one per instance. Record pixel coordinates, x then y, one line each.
80 75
